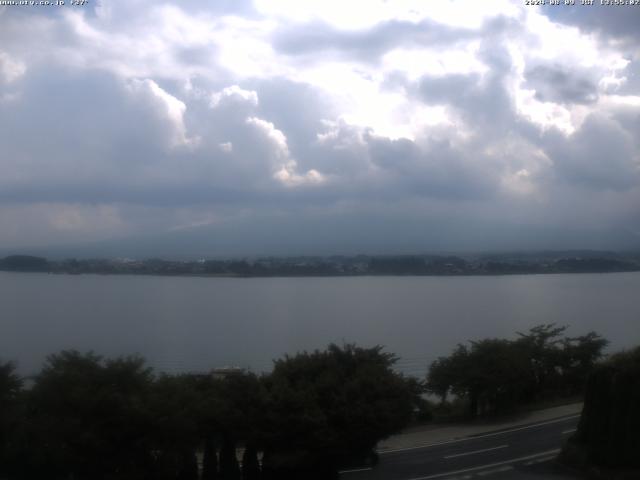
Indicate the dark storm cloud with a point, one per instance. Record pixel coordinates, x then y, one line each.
93 140
483 101
612 21
78 127
366 44
601 155
437 171
631 86
473 92
555 83
114 143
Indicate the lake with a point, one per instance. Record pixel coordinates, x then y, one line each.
193 324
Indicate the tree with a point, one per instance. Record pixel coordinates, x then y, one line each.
445 373
189 467
10 383
491 375
10 391
250 465
496 375
241 405
580 356
176 407
209 460
542 346
229 468
88 417
607 435
329 408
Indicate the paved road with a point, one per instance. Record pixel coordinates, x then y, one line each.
521 452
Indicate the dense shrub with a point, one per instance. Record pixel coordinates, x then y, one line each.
608 431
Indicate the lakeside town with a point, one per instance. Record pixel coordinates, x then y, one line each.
357 265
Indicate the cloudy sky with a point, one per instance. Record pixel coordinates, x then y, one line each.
290 126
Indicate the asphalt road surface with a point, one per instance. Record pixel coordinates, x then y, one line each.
519 453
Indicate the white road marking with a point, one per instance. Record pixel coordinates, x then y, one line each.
564 432
354 470
491 465
465 439
495 470
475 451
540 460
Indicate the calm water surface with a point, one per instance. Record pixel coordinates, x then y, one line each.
190 323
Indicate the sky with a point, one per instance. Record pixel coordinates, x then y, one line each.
238 127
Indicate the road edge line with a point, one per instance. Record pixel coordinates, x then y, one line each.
485 435
490 465
474 452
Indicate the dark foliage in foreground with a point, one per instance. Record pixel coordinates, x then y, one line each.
607 434
87 417
321 396
498 375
